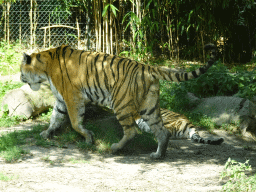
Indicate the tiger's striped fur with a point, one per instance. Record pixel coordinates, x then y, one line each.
79 77
179 127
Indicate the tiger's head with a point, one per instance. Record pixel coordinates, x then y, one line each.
33 70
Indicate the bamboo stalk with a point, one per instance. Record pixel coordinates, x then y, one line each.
31 24
35 23
96 25
5 21
78 33
99 25
110 33
103 33
116 39
20 28
8 22
49 31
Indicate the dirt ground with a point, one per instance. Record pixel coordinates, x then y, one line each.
188 166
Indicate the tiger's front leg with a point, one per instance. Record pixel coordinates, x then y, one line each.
59 119
76 111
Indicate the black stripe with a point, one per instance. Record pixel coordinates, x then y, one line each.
177 76
60 111
186 76
157 122
153 109
71 51
111 63
64 51
38 58
202 70
143 112
87 94
105 75
194 74
169 75
129 103
125 117
58 58
80 57
50 53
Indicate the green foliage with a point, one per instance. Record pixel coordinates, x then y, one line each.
7 86
7 121
237 179
4 177
10 58
46 116
218 81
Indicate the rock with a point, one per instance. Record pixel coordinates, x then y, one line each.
26 102
226 110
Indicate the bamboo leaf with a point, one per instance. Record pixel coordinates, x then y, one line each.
114 9
147 6
105 9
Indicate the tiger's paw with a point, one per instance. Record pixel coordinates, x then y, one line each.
44 134
156 156
89 138
114 147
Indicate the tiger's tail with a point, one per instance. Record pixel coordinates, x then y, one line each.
215 141
169 74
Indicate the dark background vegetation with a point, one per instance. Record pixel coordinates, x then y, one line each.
145 28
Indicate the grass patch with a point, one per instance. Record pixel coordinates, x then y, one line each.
13 154
11 143
7 121
10 57
4 177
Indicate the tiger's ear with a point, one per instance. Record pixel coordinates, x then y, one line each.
26 59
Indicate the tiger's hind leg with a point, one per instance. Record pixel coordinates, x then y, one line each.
162 135
150 113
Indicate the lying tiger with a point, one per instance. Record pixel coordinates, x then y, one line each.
79 77
179 127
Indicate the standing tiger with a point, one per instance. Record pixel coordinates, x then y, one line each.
179 127
130 88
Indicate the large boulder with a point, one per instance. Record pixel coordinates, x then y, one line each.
26 103
226 110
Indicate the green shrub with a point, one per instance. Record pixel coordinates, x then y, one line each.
237 179
10 58
218 81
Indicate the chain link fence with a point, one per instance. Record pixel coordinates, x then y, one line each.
41 24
